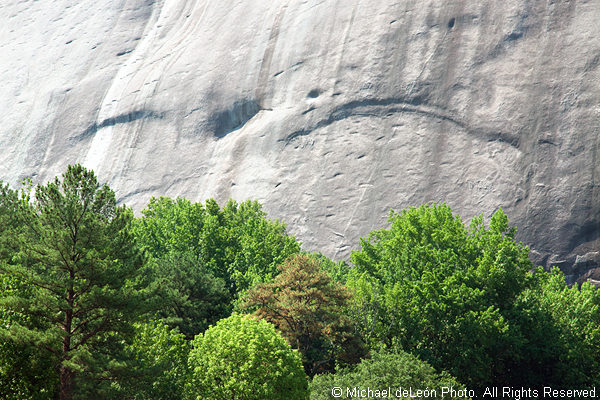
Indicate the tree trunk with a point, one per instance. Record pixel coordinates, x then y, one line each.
66 374
66 383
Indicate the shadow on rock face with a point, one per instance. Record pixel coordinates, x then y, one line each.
234 117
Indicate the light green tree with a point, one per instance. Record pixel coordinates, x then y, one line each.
385 370
158 358
445 292
561 328
203 257
245 359
238 243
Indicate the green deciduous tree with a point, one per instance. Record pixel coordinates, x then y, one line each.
382 371
244 358
237 244
560 327
308 308
159 368
71 247
433 287
198 250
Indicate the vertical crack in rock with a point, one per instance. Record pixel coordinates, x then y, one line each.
110 105
265 66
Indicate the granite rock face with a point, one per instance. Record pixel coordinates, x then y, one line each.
330 112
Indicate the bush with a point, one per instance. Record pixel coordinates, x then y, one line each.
246 359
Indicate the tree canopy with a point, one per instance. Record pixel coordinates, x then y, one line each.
202 257
307 307
71 247
238 244
433 287
95 303
159 370
247 359
384 371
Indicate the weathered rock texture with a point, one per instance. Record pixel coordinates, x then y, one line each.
330 112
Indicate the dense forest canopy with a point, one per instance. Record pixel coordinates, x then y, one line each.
195 301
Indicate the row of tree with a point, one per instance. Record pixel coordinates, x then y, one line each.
195 301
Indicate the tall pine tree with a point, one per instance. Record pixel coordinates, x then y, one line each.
70 245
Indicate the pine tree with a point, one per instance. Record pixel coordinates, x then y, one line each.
70 245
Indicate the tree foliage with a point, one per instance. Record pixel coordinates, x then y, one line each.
560 327
199 250
385 370
159 364
192 298
246 359
75 284
307 307
71 247
433 287
237 244
25 372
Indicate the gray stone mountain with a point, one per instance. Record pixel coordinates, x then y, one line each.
329 112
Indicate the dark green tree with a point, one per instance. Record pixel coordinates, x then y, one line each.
192 298
25 372
72 248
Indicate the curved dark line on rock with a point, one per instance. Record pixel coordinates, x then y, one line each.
119 119
381 107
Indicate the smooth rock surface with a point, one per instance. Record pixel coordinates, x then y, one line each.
329 112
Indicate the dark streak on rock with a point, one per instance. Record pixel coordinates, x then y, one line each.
513 36
119 119
383 107
122 53
309 110
314 93
546 141
224 122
